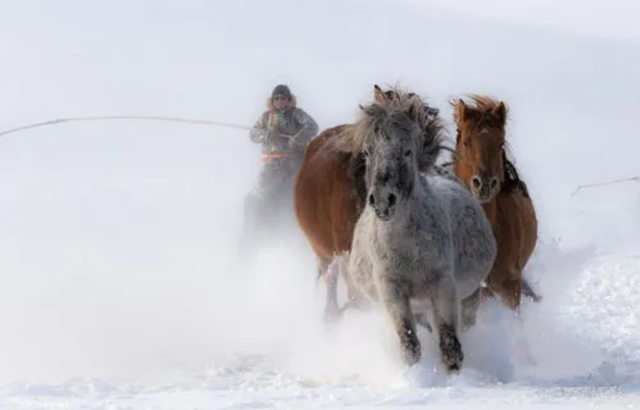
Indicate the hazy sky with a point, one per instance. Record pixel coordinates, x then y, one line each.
616 19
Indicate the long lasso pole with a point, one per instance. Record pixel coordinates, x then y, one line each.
125 117
599 184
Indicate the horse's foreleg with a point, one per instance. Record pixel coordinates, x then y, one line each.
505 283
512 291
522 342
355 298
445 303
470 307
396 301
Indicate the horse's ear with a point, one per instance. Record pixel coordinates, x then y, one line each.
462 112
413 112
368 110
378 95
500 112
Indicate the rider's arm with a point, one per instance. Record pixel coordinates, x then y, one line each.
309 127
259 130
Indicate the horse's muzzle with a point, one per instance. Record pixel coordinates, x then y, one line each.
384 207
485 187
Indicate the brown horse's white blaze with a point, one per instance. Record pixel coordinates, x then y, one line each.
485 182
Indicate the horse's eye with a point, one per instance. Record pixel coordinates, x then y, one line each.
407 153
467 144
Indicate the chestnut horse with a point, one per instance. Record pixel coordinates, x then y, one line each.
481 162
329 196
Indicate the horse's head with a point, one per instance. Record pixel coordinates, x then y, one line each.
391 134
480 145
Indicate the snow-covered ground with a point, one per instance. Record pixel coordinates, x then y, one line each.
117 283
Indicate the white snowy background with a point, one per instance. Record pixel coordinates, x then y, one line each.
117 283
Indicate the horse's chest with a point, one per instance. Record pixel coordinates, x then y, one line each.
511 228
400 251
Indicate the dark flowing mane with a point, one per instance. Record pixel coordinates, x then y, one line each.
512 181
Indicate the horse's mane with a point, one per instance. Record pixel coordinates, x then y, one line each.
483 109
512 181
403 109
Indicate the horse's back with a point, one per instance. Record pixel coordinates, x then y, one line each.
323 196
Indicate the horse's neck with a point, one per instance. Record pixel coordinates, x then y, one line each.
491 209
422 192
461 172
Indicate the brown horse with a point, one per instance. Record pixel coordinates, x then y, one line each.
481 162
329 197
327 206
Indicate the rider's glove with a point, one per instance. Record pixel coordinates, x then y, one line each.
293 141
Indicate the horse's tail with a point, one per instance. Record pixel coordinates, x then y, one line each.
528 291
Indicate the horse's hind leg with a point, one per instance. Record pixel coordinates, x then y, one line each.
470 307
423 321
445 304
331 309
528 291
396 301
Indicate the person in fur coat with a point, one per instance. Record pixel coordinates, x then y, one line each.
284 131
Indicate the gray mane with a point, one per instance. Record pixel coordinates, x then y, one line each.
403 110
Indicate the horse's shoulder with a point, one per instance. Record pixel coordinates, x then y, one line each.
441 176
445 172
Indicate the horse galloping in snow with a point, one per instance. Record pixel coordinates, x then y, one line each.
330 195
480 161
422 245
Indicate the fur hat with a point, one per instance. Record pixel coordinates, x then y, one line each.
281 89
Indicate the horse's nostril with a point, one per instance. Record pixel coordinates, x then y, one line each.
494 183
477 183
372 200
392 199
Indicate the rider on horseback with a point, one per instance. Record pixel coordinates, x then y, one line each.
284 131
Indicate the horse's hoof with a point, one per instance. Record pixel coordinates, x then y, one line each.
347 306
468 322
454 368
453 361
332 315
451 351
353 305
412 355
411 350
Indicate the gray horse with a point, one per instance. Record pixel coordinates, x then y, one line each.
422 245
